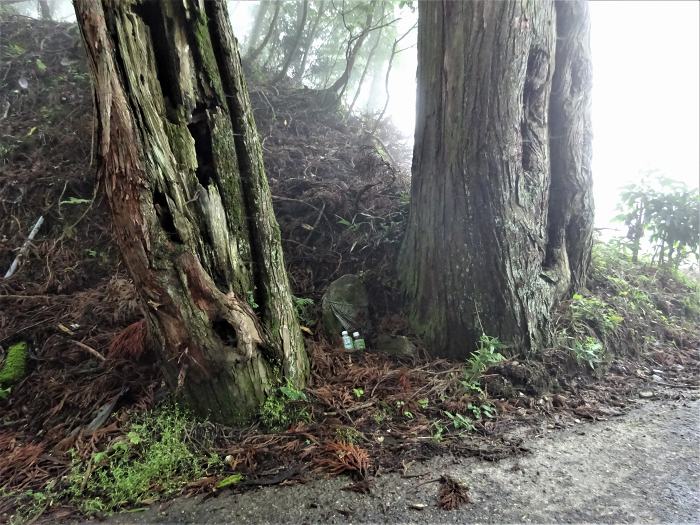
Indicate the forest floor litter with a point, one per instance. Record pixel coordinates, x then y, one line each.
590 473
341 200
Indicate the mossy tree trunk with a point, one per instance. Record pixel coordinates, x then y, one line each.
500 223
181 164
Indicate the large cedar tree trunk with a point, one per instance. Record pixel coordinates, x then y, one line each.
181 164
500 223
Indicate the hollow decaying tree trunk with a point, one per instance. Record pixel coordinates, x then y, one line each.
501 211
182 168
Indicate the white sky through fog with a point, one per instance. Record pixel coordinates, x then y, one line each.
646 114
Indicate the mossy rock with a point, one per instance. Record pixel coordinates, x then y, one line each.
345 306
530 377
14 368
396 345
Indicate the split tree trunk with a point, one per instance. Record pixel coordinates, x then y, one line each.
182 168
501 212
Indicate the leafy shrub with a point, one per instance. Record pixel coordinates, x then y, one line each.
588 350
596 313
485 356
304 309
666 214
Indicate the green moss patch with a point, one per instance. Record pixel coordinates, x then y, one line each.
14 369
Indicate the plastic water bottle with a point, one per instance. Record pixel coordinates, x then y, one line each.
359 343
347 340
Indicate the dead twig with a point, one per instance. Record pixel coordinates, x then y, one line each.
88 349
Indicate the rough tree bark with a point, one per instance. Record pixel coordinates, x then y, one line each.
501 210
571 199
182 169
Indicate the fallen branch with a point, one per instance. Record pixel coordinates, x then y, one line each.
25 247
88 349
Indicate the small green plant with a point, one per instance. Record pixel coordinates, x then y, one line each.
304 309
589 350
14 368
480 411
14 50
251 300
228 481
596 313
154 459
284 408
358 392
379 416
348 435
351 226
31 504
438 431
292 393
485 356
423 403
460 422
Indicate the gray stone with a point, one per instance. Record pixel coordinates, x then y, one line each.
396 345
345 306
